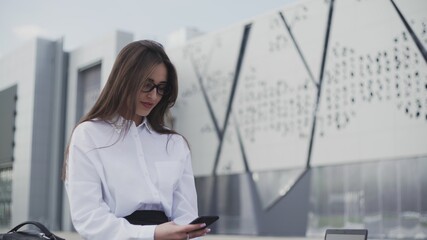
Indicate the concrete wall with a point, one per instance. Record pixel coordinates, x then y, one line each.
19 68
46 80
48 133
36 70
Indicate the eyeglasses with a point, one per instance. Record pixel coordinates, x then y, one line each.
161 89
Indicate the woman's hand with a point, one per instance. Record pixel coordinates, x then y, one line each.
172 231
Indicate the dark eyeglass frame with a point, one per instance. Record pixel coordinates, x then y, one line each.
161 89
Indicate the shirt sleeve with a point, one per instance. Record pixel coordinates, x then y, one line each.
184 208
90 215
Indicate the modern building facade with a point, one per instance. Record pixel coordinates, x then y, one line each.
43 93
311 117
32 87
306 118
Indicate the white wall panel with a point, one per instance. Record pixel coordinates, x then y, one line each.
374 93
192 118
308 22
373 99
414 12
231 159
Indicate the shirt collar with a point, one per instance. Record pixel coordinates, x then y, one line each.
146 124
119 122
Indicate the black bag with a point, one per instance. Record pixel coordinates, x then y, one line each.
44 233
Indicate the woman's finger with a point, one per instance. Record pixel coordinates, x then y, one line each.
199 233
193 227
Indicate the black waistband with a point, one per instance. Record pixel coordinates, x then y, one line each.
147 217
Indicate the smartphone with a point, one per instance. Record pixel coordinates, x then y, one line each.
208 220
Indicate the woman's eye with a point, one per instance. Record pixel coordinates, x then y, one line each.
147 85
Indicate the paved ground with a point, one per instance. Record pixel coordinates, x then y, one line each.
74 236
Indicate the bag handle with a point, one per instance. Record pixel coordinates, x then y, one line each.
42 228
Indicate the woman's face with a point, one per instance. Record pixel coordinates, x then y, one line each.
149 96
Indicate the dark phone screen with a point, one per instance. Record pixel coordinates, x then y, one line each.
208 220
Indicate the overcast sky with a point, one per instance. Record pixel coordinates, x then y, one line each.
81 21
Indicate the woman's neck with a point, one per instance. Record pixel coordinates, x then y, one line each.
137 120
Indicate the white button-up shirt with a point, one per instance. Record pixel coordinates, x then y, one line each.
111 175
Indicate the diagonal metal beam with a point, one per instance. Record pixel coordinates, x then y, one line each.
411 32
233 90
319 89
241 146
325 50
298 49
208 104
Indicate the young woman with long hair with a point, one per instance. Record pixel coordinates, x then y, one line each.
127 175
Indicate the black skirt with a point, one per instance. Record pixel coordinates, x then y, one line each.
147 217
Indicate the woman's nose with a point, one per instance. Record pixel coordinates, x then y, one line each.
152 93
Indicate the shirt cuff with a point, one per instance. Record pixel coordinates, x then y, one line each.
145 232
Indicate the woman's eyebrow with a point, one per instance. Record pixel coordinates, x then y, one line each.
161 82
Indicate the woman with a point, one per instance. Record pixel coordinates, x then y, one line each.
127 175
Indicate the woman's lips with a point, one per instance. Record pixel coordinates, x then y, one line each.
147 104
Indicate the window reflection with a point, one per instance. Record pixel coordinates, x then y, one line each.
389 198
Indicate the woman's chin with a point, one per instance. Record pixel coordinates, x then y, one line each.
143 113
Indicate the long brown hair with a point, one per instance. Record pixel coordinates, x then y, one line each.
130 71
